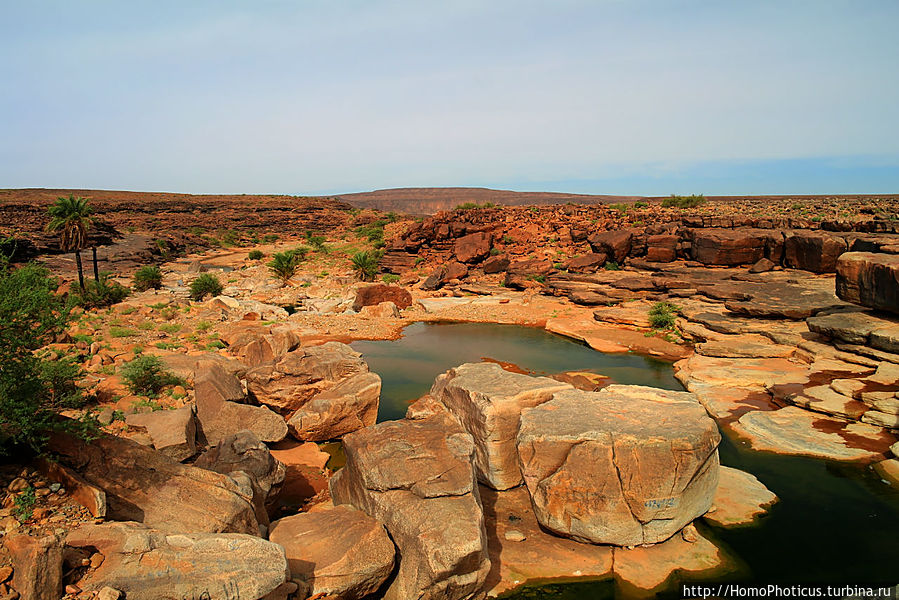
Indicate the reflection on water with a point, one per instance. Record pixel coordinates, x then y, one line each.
408 366
836 522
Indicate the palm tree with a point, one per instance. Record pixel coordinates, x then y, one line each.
71 218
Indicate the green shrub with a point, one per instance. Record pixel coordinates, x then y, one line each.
284 264
683 201
641 204
255 255
662 315
146 375
620 207
121 332
147 277
317 242
24 504
60 378
230 238
270 238
474 206
205 284
102 292
390 278
611 265
365 264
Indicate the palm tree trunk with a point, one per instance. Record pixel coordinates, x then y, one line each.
96 270
80 269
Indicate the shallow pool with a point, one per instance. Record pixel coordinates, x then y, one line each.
835 522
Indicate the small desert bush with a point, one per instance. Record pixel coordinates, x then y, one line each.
203 285
146 375
255 255
683 201
147 277
365 264
662 315
284 264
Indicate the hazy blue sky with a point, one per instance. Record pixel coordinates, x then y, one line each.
601 96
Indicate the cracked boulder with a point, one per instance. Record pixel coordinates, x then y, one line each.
303 373
148 564
417 478
487 400
350 405
626 466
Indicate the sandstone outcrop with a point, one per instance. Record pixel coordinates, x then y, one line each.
148 564
735 246
740 498
869 279
813 251
616 244
37 564
487 400
372 295
340 551
417 478
143 485
299 375
621 466
243 451
473 247
174 432
350 405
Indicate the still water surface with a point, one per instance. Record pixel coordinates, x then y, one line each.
835 522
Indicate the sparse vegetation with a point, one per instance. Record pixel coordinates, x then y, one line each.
121 332
284 264
683 201
255 255
23 508
662 315
205 284
611 265
390 278
474 205
147 277
365 264
146 375
102 292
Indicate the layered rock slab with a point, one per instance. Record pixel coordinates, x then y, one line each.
870 279
620 466
144 485
340 551
740 499
417 478
148 564
487 400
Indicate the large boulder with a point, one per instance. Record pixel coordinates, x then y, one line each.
372 295
340 551
444 274
37 566
473 247
299 375
173 432
350 405
615 244
148 564
588 263
221 414
417 478
869 279
144 485
487 400
496 264
661 248
626 466
243 451
813 251
733 246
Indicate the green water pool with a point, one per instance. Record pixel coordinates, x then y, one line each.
835 522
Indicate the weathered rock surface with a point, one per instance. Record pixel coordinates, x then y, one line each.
473 247
785 301
617 466
813 251
243 451
862 328
587 263
792 430
496 264
487 400
372 295
740 499
869 279
744 346
174 432
299 375
37 566
417 478
148 564
616 244
350 405
730 246
340 551
144 485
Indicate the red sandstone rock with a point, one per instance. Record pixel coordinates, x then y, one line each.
496 264
661 248
616 244
372 295
816 252
869 279
587 263
473 247
37 564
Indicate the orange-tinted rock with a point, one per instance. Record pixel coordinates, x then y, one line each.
729 246
496 264
340 551
626 466
37 564
869 279
740 498
350 405
144 485
815 252
174 432
148 564
473 247
588 263
372 295
661 248
616 244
